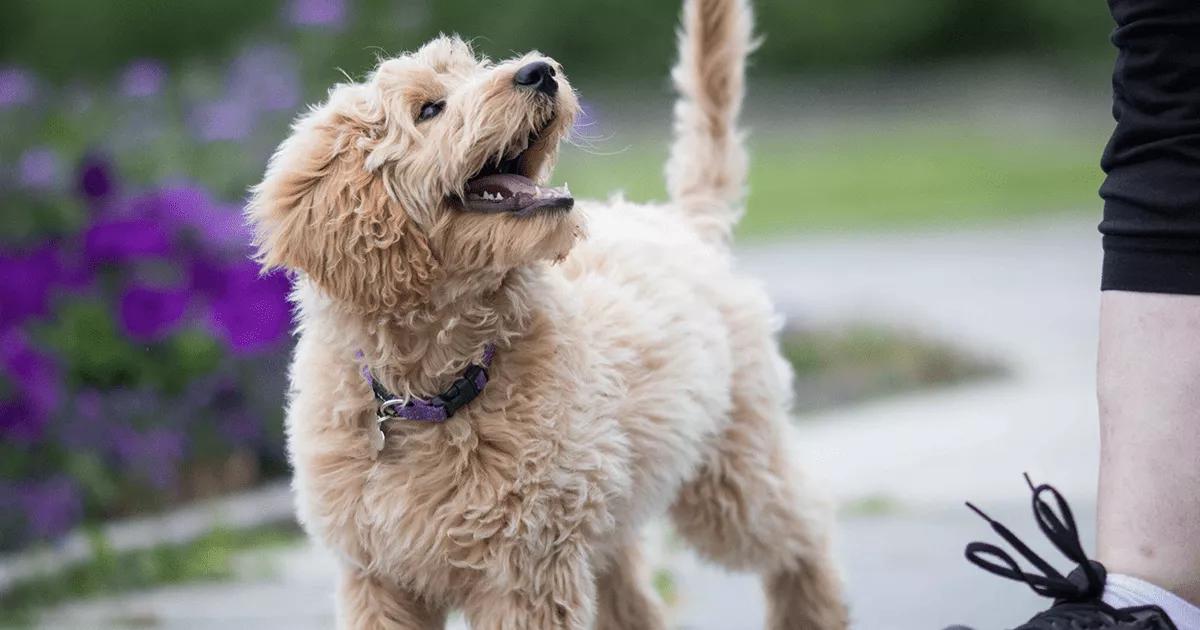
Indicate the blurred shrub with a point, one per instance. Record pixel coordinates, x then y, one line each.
857 362
108 571
142 356
67 39
814 34
598 39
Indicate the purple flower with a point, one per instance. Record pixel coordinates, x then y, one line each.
226 400
153 455
25 283
101 420
171 204
207 276
226 119
241 428
151 313
316 12
142 78
16 87
187 208
222 226
265 77
52 507
118 240
83 428
38 168
95 178
38 384
20 422
251 312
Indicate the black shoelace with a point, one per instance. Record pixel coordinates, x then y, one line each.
1078 597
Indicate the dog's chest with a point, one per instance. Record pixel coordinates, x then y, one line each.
514 474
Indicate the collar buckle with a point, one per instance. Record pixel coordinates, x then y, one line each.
462 391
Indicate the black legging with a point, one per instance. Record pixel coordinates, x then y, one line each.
1151 220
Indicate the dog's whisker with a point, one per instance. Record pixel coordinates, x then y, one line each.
576 135
591 150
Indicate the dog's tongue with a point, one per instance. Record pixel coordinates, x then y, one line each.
513 193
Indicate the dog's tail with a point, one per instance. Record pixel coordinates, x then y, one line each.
706 172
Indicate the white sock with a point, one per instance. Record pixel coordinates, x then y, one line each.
1123 591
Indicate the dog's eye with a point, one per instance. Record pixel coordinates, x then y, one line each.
429 110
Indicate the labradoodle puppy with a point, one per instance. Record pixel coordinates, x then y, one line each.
495 387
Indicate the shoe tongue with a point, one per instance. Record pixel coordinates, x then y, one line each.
1089 588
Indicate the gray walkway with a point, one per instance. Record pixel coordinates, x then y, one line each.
900 467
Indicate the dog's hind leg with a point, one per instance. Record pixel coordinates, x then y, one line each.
365 602
746 509
745 512
624 599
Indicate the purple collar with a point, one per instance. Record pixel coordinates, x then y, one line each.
442 406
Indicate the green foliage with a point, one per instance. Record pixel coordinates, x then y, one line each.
821 33
860 362
609 40
873 505
100 356
598 40
108 571
665 585
67 39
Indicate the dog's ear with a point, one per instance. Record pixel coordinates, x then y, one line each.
324 208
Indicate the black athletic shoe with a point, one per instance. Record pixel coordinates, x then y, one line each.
1077 603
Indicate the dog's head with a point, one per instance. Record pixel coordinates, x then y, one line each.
433 168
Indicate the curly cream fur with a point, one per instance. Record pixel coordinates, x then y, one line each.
636 371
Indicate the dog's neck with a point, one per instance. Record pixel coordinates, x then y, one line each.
420 351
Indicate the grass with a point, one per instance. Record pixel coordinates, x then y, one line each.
860 362
871 505
108 572
872 175
664 584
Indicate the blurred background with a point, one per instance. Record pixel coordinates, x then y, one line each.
922 208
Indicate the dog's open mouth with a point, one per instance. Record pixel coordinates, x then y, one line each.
505 184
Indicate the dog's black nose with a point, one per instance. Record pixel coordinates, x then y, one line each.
539 76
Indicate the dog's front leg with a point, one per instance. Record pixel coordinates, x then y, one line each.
366 602
554 592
